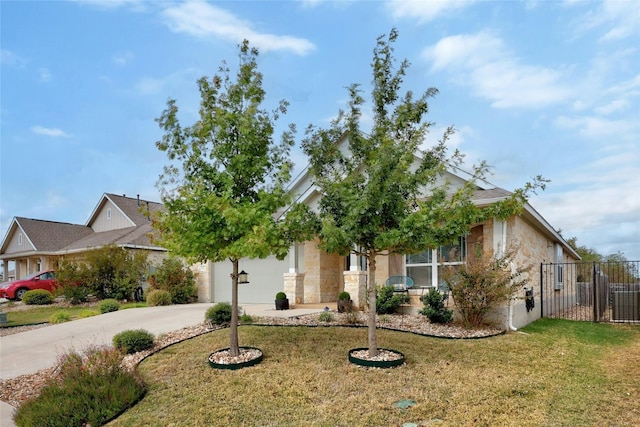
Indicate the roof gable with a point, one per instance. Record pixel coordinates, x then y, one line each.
130 212
45 236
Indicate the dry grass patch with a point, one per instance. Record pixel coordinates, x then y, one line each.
553 375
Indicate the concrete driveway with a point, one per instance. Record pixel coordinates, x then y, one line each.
31 351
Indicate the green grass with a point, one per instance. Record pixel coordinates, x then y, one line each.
556 373
42 314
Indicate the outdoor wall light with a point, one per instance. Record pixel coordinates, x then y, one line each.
243 277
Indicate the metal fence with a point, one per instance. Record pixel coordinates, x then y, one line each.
597 292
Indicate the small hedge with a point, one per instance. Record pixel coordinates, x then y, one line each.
37 297
133 341
219 314
158 297
108 305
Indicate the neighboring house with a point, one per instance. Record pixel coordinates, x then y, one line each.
33 245
311 275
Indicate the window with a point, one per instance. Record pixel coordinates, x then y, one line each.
109 213
424 267
20 239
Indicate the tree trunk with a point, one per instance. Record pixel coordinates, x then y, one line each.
371 291
233 347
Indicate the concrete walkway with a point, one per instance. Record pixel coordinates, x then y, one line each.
31 351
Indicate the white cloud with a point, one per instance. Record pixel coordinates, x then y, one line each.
603 207
617 19
483 62
52 132
122 58
135 5
8 57
425 11
202 19
44 75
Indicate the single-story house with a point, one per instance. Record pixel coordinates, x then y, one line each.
33 245
310 275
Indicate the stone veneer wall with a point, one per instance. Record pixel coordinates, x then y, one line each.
202 274
323 274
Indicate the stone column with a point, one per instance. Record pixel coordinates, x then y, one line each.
355 282
294 287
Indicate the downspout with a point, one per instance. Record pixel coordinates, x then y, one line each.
512 298
511 327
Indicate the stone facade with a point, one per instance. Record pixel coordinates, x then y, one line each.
323 274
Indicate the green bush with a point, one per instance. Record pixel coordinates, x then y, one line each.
326 316
219 314
344 295
37 297
60 317
281 296
133 341
158 297
434 307
177 279
108 305
87 313
387 301
74 294
246 318
91 389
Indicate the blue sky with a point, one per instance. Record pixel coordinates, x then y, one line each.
532 87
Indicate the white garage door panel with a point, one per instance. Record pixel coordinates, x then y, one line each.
265 280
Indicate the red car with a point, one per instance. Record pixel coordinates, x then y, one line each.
40 280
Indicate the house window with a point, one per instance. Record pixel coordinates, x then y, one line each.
559 273
20 239
425 268
109 213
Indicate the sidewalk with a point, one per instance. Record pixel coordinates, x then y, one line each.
28 352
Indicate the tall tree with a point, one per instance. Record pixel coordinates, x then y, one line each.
373 196
226 178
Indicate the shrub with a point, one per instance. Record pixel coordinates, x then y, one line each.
108 305
37 297
133 341
60 317
219 314
387 301
483 283
158 297
344 295
434 307
281 296
246 318
177 279
90 389
74 294
87 313
326 316
108 272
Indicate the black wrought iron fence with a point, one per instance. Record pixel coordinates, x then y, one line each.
598 292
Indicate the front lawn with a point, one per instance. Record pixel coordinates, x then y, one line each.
556 373
35 314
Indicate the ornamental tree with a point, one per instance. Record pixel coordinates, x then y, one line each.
382 195
226 177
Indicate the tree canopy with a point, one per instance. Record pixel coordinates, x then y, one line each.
227 175
383 194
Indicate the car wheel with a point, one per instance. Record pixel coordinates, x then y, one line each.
20 293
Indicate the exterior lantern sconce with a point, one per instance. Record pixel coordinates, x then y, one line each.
243 277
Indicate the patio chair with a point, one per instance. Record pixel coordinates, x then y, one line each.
400 283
